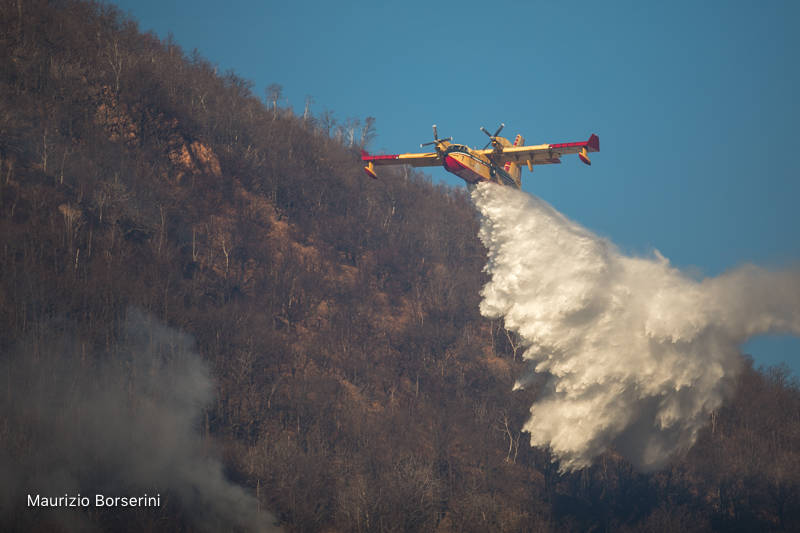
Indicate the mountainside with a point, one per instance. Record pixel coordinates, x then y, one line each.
202 296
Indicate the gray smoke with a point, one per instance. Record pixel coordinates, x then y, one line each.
637 355
123 426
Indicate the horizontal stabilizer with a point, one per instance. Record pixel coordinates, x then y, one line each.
584 156
370 170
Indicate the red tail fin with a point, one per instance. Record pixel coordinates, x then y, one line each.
593 144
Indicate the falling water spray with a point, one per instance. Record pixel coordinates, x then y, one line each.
635 353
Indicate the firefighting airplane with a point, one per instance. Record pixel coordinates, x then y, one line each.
499 164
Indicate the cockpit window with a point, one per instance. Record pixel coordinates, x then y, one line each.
456 148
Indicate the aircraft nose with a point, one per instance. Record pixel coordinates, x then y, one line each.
453 165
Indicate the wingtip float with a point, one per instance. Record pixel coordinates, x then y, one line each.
501 163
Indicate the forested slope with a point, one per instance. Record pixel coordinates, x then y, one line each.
355 385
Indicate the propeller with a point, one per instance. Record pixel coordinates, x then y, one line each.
491 137
436 140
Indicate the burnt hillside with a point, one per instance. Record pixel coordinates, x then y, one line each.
355 385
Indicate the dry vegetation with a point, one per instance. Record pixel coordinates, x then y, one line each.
357 387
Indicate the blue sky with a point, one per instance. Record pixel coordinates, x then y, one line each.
695 103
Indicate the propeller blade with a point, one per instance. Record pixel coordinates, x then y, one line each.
437 141
435 133
491 137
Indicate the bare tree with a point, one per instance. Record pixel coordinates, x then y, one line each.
307 110
350 128
274 93
72 222
116 60
367 131
327 122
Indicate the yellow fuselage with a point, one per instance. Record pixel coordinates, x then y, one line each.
473 167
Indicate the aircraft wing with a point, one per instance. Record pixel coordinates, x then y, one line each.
429 159
543 154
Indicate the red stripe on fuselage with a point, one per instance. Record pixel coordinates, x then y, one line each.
569 145
451 164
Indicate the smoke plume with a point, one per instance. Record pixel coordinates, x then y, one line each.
636 355
126 425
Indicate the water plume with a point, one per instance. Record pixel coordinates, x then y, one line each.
635 353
